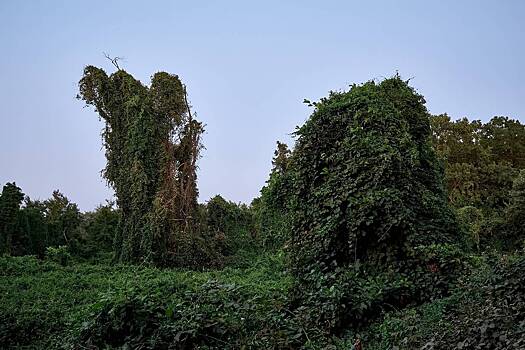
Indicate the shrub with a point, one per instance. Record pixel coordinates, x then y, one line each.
59 254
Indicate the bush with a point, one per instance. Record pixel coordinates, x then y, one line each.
59 254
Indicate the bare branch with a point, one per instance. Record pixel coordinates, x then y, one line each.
114 60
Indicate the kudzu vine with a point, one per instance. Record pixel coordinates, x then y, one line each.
152 144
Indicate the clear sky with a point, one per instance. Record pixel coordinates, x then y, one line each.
248 66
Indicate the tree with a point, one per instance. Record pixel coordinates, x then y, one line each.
63 220
505 138
33 223
11 240
231 224
281 158
99 229
481 160
368 203
152 145
272 207
515 213
367 183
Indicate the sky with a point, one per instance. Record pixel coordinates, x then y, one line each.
248 66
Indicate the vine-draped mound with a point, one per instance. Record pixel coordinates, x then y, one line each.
367 190
368 184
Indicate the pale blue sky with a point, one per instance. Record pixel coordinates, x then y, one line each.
248 66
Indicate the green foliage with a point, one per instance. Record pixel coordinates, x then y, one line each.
33 223
152 145
515 213
63 220
484 312
11 239
45 305
482 161
367 191
232 225
272 207
367 183
99 229
59 254
34 226
374 255
49 306
473 219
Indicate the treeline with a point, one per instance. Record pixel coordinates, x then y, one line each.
31 227
484 174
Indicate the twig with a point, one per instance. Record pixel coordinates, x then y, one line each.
114 60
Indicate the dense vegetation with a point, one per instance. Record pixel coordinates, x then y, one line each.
383 228
152 144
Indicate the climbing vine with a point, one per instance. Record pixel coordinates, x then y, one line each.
367 195
152 145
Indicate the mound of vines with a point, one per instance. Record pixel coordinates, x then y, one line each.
369 204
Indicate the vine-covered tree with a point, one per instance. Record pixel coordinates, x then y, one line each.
231 224
11 239
368 203
272 207
367 182
152 145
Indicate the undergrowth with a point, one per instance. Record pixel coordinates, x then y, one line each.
45 305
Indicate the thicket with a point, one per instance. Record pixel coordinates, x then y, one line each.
127 306
485 311
49 306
